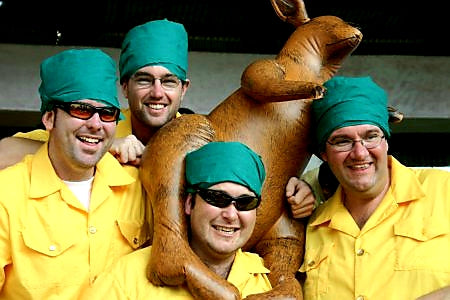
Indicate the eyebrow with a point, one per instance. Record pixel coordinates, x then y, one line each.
345 136
241 195
142 73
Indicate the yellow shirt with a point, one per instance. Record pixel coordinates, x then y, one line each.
51 247
402 252
128 280
123 129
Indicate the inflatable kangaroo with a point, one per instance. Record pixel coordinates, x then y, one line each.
270 113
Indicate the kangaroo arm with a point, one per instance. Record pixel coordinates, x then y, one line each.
264 80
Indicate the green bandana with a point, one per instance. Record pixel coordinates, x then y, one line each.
162 42
218 162
78 74
349 101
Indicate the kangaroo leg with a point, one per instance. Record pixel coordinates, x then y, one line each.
282 249
172 261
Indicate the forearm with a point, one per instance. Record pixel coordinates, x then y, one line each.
441 294
13 150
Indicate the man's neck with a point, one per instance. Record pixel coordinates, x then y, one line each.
68 171
361 207
141 131
217 262
221 267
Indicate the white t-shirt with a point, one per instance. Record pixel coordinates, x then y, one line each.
82 190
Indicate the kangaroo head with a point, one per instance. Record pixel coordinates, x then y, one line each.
319 46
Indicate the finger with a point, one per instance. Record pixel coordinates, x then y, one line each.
132 154
300 196
291 186
136 162
302 212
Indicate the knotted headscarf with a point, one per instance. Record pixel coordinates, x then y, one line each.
218 162
161 42
78 74
349 101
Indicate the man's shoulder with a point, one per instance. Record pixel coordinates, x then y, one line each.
37 135
14 172
252 262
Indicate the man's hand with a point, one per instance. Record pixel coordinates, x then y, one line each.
300 198
127 150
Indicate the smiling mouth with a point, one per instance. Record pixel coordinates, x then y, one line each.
89 140
227 230
156 106
360 167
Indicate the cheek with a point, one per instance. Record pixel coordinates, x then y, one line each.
175 96
248 218
110 128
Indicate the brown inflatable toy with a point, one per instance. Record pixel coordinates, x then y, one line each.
269 113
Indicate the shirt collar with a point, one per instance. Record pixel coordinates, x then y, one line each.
108 169
404 187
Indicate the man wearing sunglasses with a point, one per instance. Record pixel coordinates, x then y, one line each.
224 181
70 210
153 73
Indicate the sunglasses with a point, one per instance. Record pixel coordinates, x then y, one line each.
85 111
222 200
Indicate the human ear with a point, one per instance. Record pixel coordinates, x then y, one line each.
187 205
48 119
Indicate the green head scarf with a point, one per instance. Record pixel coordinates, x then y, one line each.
218 162
349 101
161 42
78 74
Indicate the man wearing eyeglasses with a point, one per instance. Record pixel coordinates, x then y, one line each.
385 233
153 73
70 210
153 68
224 181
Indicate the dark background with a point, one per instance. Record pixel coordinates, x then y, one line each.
241 26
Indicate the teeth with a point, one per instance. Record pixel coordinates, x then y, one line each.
361 166
89 140
156 106
225 229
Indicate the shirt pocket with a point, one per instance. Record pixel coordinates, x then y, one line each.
49 241
136 233
47 250
316 264
423 245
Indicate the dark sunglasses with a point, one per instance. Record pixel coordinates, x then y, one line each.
222 199
85 111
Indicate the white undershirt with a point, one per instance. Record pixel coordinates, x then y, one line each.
81 190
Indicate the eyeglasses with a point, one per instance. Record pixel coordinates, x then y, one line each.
168 82
344 144
85 111
222 200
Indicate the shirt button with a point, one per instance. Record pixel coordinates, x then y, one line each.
359 252
92 229
52 248
135 240
311 263
360 297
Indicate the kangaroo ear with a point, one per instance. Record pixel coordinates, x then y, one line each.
395 116
291 11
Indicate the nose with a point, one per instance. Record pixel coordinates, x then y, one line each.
230 212
94 122
359 150
157 91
